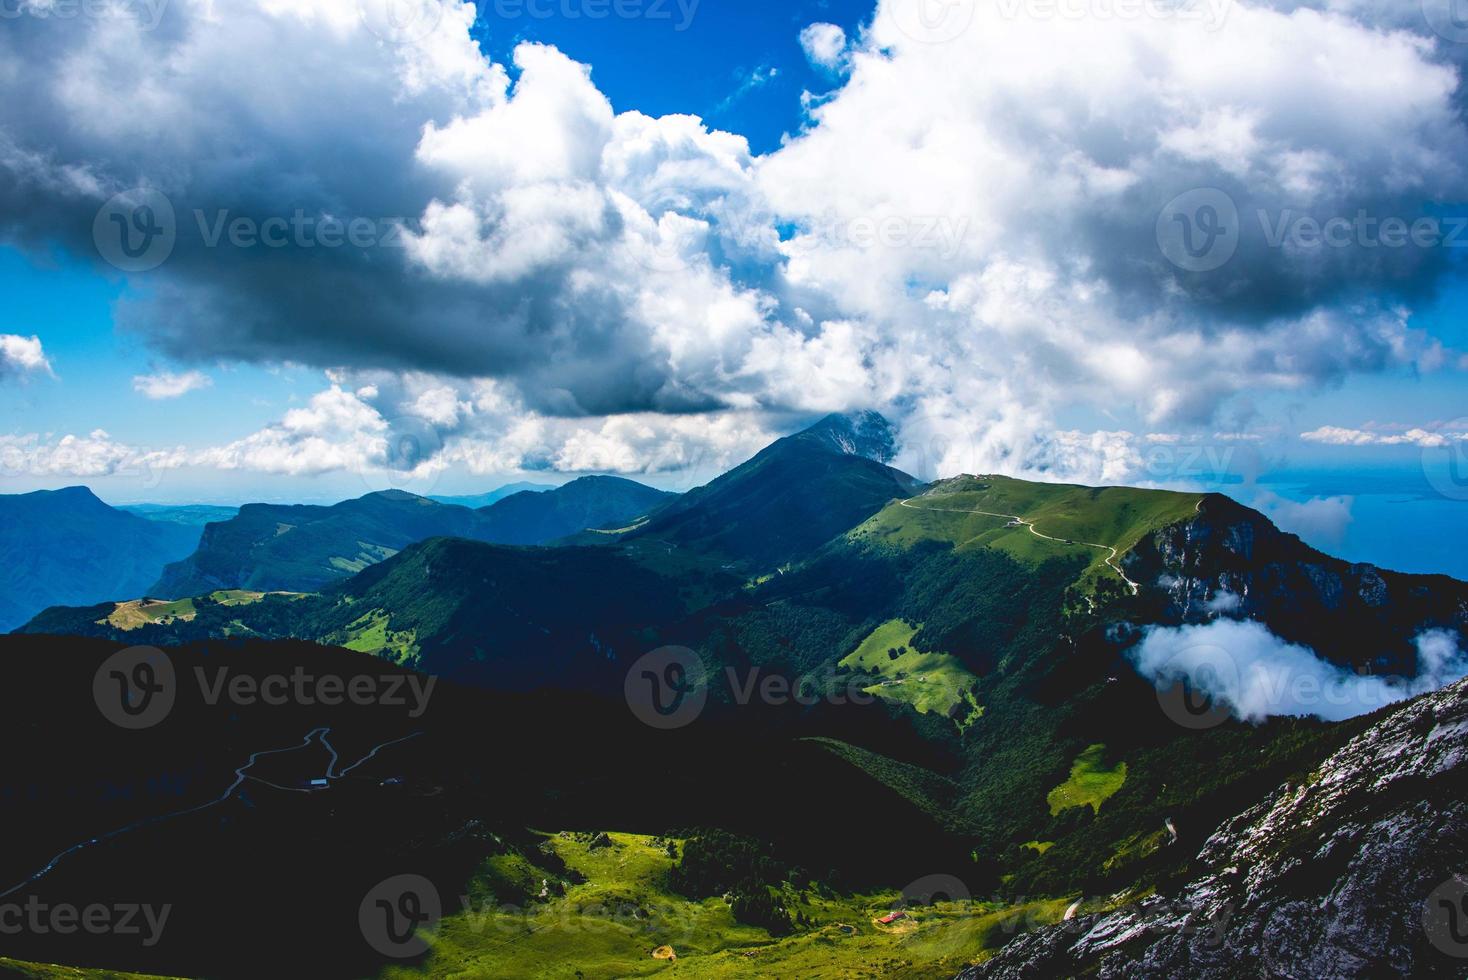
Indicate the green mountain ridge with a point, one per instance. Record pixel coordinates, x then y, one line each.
792 497
302 548
960 695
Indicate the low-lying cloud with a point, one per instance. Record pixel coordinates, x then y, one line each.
1257 675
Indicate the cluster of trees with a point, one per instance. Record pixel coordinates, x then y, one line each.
716 862
758 905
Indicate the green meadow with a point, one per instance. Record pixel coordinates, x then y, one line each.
1076 517
623 920
1091 782
929 681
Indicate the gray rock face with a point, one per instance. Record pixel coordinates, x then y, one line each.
865 434
1231 559
1353 873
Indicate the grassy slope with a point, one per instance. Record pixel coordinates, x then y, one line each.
143 612
372 633
608 927
1118 517
137 613
1091 782
929 681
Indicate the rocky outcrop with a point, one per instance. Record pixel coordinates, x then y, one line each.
1230 560
1354 872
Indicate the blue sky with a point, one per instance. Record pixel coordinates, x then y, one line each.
582 292
711 62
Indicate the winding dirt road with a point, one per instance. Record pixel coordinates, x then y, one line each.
1112 553
240 775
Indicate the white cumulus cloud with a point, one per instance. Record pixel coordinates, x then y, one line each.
1245 667
167 384
964 235
20 356
92 455
824 44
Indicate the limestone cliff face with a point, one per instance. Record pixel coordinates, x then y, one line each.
1358 871
1230 560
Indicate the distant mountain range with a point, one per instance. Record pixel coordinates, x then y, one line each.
196 515
477 500
67 547
1014 732
301 548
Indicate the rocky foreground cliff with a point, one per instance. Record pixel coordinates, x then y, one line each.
1360 870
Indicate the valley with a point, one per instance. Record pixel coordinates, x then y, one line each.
817 490
921 706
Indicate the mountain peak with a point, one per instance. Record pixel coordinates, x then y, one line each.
394 494
77 493
864 433
77 496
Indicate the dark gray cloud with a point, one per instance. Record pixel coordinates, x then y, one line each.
1031 215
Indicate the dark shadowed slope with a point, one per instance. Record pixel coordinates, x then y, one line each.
592 501
66 547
